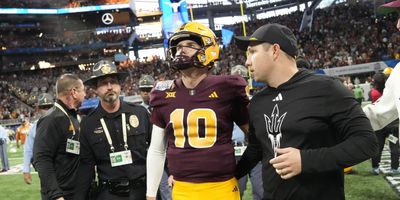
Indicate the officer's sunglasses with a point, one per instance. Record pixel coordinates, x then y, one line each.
145 89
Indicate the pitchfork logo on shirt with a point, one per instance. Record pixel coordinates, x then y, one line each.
273 125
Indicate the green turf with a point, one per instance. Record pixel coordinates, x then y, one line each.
358 186
13 187
362 185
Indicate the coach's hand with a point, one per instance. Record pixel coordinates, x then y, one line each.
288 163
150 198
27 178
171 181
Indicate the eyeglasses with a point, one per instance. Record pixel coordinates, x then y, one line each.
145 89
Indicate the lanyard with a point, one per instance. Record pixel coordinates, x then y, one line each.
65 112
103 124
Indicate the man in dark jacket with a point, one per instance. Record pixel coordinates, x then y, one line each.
304 127
114 139
56 146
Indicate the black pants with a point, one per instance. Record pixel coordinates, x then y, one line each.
136 192
394 148
66 197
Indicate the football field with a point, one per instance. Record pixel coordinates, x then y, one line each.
358 186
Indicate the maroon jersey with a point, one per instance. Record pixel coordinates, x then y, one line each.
198 123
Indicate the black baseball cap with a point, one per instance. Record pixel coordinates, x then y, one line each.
273 34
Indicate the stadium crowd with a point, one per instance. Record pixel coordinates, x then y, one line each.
328 43
24 39
332 41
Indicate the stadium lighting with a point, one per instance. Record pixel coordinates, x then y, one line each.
45 65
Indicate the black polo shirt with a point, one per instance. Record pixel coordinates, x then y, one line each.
57 169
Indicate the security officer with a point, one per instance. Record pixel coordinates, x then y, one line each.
240 143
44 102
146 83
56 145
114 138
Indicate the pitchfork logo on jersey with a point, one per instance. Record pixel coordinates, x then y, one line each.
273 126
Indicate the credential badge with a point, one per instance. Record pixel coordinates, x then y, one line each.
134 121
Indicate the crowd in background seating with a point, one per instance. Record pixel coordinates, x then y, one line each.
27 40
341 35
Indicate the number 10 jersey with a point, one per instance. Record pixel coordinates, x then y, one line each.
198 123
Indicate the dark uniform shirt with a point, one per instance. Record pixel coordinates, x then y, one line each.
57 169
95 149
198 124
317 115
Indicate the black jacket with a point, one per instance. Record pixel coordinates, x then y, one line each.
317 115
95 149
57 168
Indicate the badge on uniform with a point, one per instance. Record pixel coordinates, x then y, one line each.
73 146
121 158
393 139
134 121
239 150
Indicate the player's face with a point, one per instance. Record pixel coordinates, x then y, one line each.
187 48
259 60
108 89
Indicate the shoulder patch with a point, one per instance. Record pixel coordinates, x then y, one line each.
164 85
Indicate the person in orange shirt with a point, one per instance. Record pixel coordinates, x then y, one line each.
22 132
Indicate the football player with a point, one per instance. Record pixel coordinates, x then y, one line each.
193 119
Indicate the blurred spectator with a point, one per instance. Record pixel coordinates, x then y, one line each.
44 103
358 93
389 131
22 132
3 149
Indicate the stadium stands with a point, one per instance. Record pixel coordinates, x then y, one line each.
341 35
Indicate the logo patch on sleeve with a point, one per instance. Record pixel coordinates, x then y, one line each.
170 95
164 85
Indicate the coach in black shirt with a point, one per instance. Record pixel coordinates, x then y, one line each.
304 127
56 146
